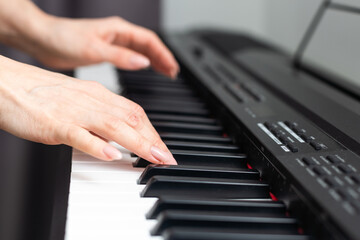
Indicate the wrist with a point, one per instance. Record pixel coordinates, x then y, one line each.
22 30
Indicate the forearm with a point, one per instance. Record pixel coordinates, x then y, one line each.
22 23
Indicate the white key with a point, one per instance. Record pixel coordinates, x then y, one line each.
105 202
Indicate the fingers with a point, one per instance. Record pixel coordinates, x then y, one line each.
83 140
124 58
119 131
124 109
100 114
149 44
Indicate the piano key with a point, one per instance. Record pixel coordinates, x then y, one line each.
213 221
177 111
170 102
135 86
145 97
155 81
195 137
189 171
104 166
175 127
100 195
197 158
146 77
178 118
211 205
168 107
159 186
173 99
171 84
181 233
109 228
163 91
195 146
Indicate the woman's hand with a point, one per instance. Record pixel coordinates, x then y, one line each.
51 108
69 43
63 43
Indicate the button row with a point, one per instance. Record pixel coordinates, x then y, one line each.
302 133
281 135
340 166
341 190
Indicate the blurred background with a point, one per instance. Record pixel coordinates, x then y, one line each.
282 22
334 46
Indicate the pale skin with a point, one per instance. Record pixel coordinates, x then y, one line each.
52 108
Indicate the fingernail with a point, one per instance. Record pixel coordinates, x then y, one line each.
165 157
139 61
112 153
173 74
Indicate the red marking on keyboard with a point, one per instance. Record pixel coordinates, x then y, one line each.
225 135
300 230
249 166
273 197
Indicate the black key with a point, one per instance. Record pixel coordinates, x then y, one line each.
181 233
315 145
177 118
192 171
177 111
195 146
145 97
344 168
158 99
210 205
164 91
135 84
194 138
189 187
240 224
333 159
170 106
175 127
193 158
174 103
146 76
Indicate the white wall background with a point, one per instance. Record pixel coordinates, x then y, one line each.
280 21
230 14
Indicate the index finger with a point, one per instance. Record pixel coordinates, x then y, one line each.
148 43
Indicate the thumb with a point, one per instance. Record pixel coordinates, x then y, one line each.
125 58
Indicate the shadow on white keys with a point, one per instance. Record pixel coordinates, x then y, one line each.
104 200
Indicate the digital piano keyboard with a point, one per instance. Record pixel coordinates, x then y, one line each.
265 151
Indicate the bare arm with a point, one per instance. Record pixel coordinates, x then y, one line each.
64 43
51 108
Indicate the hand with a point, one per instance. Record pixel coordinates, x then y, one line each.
63 43
51 108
